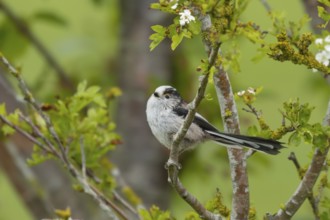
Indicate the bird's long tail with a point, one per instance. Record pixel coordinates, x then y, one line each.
256 143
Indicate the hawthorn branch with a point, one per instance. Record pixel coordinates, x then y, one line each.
306 185
108 206
25 31
173 161
237 158
26 135
310 197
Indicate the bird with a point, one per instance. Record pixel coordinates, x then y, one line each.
166 112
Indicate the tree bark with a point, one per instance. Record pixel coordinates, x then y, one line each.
241 200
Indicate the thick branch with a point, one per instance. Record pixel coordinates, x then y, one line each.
306 185
241 202
173 167
25 31
310 197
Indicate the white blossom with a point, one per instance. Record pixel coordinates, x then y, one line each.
174 6
318 41
241 93
186 17
323 57
327 39
327 48
251 90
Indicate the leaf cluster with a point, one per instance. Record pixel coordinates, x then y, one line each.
298 116
82 122
226 26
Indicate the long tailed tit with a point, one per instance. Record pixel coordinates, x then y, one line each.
166 111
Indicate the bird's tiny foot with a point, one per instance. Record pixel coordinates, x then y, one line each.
171 162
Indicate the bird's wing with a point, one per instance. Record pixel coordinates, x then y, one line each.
257 143
198 120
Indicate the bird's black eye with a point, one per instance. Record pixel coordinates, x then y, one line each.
167 96
156 94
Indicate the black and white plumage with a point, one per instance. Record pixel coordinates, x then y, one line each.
166 112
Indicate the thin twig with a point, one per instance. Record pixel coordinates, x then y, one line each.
83 158
173 161
25 31
121 200
172 164
296 163
89 189
27 135
38 133
266 5
307 183
310 197
30 99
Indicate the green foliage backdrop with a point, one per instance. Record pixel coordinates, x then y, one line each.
85 41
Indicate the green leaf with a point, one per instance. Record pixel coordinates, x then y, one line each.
176 40
7 130
81 87
192 216
325 2
323 13
3 109
305 113
156 40
321 141
144 214
308 136
50 17
158 36
194 27
158 29
295 139
252 130
155 6
155 214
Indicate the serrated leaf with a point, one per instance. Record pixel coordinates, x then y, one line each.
321 141
156 40
7 130
295 139
155 6
325 2
3 109
50 17
176 40
81 86
323 13
158 28
308 136
92 90
144 214
305 114
252 130
194 27
63 213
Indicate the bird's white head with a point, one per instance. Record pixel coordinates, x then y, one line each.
164 97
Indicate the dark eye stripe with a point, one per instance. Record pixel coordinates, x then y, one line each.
171 91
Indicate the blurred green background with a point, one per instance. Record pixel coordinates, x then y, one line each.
84 36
